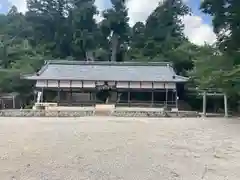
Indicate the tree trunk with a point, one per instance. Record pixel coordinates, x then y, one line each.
114 47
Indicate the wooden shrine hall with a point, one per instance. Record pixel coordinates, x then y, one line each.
81 83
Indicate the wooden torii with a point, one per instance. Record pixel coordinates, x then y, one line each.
206 93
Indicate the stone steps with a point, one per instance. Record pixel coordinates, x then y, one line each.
104 109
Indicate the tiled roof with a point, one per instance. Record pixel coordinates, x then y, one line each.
108 71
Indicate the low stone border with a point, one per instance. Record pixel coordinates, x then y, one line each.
139 114
118 113
182 114
84 113
43 113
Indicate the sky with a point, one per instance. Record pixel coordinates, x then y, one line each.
198 26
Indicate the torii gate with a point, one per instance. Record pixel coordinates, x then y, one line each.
205 94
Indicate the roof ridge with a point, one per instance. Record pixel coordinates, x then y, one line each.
127 63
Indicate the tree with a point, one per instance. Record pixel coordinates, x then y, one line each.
14 30
214 70
162 38
16 54
226 20
137 40
85 28
49 23
183 57
164 29
115 25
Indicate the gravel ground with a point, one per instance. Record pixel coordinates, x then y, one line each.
107 148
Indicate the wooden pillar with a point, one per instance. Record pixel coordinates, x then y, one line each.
166 100
129 97
71 98
176 97
41 98
129 94
58 96
58 93
204 103
91 98
117 98
152 100
225 105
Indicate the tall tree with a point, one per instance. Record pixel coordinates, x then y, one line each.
226 20
48 19
164 29
84 28
115 25
13 31
137 40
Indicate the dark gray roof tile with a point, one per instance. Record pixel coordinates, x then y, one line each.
106 71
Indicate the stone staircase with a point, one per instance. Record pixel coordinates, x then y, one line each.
104 109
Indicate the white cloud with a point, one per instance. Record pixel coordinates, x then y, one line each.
139 10
197 31
100 4
20 4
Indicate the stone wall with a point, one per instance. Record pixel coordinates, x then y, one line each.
43 113
155 114
139 114
84 113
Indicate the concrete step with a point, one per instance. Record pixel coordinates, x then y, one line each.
104 109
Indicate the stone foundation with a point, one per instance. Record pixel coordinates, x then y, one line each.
85 113
139 114
43 113
155 114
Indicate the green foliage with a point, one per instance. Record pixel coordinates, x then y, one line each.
85 27
16 54
115 25
48 19
226 20
164 29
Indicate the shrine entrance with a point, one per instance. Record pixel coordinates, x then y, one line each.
105 93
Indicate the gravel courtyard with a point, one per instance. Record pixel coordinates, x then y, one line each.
107 148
